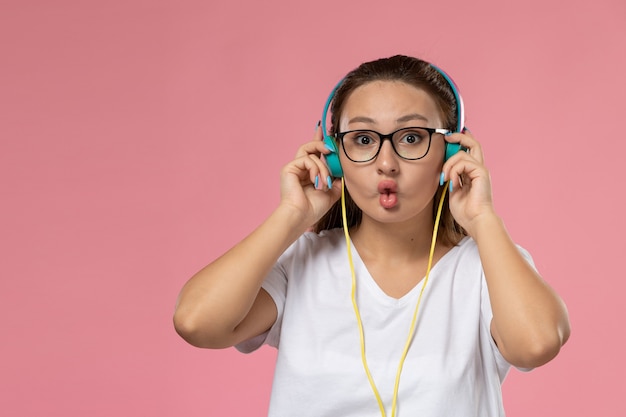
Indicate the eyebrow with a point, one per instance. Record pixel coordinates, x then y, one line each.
412 116
405 118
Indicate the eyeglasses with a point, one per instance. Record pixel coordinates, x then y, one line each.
409 142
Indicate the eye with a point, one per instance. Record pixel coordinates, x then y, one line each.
413 137
363 139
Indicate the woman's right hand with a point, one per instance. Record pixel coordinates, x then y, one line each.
305 182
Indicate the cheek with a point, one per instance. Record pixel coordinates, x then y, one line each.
350 169
438 150
355 178
353 181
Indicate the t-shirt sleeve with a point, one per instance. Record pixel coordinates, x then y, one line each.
275 284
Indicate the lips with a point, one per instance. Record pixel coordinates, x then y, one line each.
388 194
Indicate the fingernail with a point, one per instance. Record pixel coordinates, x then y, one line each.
317 181
329 181
466 130
319 122
441 178
448 133
451 186
329 147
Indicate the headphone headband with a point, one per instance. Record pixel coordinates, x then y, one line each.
327 106
460 107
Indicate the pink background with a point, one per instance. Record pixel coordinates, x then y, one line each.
140 139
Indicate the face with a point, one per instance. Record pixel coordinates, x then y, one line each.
390 189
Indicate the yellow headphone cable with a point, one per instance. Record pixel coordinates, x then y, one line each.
358 314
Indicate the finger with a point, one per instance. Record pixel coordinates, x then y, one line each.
323 180
451 166
315 147
473 146
305 169
319 135
467 141
311 170
464 172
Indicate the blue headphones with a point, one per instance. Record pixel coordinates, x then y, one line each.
332 159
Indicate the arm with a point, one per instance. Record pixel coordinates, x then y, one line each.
223 304
530 321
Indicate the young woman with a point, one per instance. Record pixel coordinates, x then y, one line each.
376 319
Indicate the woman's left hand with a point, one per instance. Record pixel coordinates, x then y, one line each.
470 189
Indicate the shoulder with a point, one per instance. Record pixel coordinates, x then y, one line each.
323 240
462 259
467 249
311 245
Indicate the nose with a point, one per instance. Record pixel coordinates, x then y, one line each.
387 160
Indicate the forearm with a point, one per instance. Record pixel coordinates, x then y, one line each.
530 321
219 297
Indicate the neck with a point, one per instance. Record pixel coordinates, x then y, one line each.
399 241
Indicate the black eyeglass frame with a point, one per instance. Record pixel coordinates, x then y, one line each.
340 135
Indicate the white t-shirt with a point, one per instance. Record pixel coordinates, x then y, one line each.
453 367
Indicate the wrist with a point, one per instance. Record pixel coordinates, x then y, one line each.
485 225
291 218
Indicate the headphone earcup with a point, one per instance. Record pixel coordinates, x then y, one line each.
332 158
451 149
